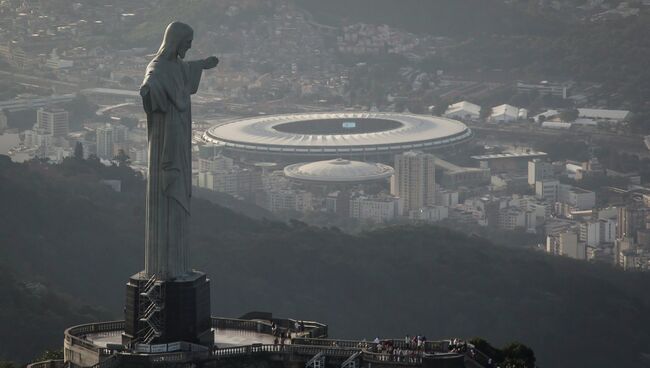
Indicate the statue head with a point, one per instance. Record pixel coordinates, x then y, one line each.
178 39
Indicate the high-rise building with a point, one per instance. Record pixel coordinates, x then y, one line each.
631 219
414 180
120 133
105 142
53 121
3 120
547 190
566 244
539 170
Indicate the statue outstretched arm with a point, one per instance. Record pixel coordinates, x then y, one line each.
210 62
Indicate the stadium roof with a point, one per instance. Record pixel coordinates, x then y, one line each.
338 171
408 131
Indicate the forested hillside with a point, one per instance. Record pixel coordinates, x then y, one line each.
33 316
66 230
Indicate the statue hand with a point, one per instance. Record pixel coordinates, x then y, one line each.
210 62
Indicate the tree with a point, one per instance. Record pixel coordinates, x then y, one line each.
519 355
79 151
569 115
486 112
440 108
50 355
122 158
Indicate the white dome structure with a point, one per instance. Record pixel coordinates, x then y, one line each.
338 171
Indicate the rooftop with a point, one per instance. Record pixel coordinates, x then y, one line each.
510 155
604 114
314 133
338 170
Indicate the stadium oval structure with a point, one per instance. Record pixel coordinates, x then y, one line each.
314 136
338 171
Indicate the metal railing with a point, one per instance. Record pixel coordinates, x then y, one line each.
76 335
429 346
257 349
409 359
242 324
57 363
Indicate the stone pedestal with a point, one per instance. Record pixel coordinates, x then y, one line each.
182 311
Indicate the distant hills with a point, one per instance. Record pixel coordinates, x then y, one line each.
64 229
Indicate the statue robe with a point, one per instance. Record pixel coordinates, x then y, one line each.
166 91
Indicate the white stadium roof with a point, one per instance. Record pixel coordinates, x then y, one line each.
338 171
258 134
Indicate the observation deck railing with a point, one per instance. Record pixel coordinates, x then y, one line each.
441 346
55 363
305 343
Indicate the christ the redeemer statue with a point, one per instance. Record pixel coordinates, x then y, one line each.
168 84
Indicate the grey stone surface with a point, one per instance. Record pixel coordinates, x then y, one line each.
166 93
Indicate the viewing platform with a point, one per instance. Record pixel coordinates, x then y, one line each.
242 341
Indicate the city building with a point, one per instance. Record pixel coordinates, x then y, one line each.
3 121
544 88
109 96
607 116
599 231
454 176
215 164
508 161
512 218
507 113
576 198
547 190
463 110
288 200
105 142
53 121
539 170
631 219
430 214
447 198
236 181
414 180
566 244
376 208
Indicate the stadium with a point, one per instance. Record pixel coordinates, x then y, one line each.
317 136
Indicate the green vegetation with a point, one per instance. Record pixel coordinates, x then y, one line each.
33 316
513 355
66 230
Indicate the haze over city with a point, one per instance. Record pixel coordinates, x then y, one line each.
353 184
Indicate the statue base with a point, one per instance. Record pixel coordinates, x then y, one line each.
166 311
